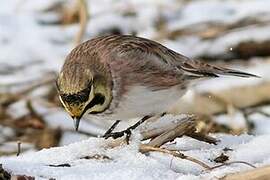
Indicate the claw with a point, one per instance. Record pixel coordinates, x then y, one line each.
128 134
114 135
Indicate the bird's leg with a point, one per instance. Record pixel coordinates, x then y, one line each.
126 131
109 131
139 123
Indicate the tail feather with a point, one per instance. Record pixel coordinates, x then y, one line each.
201 69
232 72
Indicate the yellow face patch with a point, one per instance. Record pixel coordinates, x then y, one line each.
74 110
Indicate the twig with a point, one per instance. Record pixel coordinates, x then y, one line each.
83 15
171 134
13 97
32 111
233 162
254 174
18 148
156 126
170 131
146 148
60 165
97 157
50 78
202 137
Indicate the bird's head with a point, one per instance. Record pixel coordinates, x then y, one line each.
80 91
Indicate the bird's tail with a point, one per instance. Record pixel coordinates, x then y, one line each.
201 69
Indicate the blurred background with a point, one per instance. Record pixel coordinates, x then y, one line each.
36 36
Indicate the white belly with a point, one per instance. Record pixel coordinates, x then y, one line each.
141 101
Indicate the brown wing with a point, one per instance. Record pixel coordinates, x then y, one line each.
150 63
204 69
142 51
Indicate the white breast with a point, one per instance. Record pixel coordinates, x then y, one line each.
141 101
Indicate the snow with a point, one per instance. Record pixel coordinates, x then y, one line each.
235 120
23 32
125 161
224 11
29 50
261 122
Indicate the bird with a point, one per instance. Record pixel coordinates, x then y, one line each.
119 77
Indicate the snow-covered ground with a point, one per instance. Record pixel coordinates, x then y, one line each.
125 162
30 48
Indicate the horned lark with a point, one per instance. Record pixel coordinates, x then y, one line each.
119 77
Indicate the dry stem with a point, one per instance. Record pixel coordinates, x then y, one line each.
18 148
233 162
146 148
83 15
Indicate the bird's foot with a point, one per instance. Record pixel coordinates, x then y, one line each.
126 132
119 134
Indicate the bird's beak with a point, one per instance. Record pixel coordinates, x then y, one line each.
76 123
